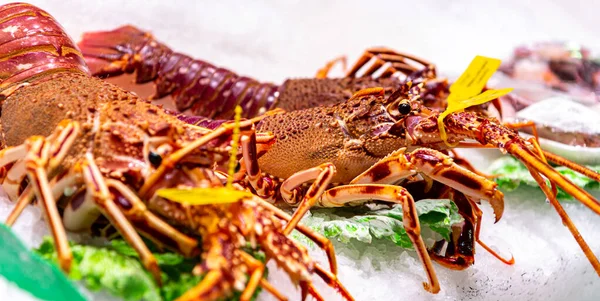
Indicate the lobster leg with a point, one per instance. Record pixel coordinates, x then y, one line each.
13 168
169 162
41 156
15 177
255 277
24 200
323 72
460 249
359 193
397 60
329 277
572 165
37 160
317 238
149 224
202 291
333 281
322 176
101 196
254 280
58 189
263 187
551 194
478 215
438 166
271 289
308 287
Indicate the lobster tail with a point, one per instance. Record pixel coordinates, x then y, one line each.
33 44
194 84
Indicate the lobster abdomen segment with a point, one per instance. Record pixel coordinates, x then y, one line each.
195 84
33 44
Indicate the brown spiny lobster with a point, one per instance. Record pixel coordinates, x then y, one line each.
211 92
73 138
372 138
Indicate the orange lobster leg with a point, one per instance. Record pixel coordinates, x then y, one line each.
37 160
41 156
442 169
98 191
462 254
317 238
263 188
203 290
255 275
323 72
359 193
437 166
397 60
148 224
322 176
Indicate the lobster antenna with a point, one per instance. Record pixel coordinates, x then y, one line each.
234 145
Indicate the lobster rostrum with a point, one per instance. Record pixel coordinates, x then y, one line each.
72 138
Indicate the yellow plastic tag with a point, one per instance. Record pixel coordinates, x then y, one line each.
466 91
203 196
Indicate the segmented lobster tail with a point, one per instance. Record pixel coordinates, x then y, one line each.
207 90
32 45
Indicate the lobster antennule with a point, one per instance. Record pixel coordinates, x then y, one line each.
33 44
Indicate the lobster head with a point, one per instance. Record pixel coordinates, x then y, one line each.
142 138
400 120
409 118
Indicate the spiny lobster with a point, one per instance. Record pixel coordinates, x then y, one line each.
372 138
73 138
212 92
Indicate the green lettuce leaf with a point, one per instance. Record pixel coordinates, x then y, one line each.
103 268
117 269
512 173
346 225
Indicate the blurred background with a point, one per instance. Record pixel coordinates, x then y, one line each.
274 40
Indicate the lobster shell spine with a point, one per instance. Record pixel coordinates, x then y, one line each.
194 84
33 44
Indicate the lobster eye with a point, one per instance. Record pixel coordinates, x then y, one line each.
404 108
155 159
